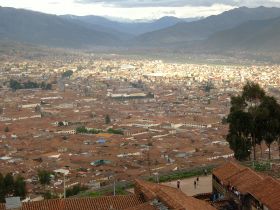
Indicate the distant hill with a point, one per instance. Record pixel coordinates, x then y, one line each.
261 35
51 30
202 29
132 28
99 23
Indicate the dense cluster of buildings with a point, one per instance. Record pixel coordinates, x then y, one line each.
170 114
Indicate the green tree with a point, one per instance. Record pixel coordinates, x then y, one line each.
15 85
254 118
75 190
60 123
240 124
241 146
9 184
253 94
20 187
2 189
245 109
270 112
237 103
49 195
67 73
81 129
44 177
107 119
115 131
30 85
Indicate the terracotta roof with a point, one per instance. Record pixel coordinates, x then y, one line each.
268 192
227 170
144 206
102 203
147 188
181 201
172 197
245 179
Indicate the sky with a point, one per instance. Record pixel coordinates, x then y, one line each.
136 9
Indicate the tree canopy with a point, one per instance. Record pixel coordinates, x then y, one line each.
254 117
44 177
10 186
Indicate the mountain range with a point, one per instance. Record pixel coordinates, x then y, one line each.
238 29
202 29
132 28
257 35
38 28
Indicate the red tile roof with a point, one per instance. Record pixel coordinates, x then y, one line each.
268 192
147 188
144 206
227 170
247 181
181 201
102 203
172 197
144 191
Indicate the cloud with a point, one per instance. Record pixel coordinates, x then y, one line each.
156 3
256 3
179 3
170 12
136 9
54 2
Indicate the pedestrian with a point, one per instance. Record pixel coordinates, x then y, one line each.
205 172
178 184
194 184
197 179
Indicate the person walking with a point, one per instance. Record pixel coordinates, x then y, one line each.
194 184
178 184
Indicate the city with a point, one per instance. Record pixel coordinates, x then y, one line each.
79 125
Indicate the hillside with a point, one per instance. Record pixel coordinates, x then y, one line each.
132 28
38 28
262 35
202 29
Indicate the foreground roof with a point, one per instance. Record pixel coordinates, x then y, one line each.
247 181
171 197
101 203
148 196
267 191
227 170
